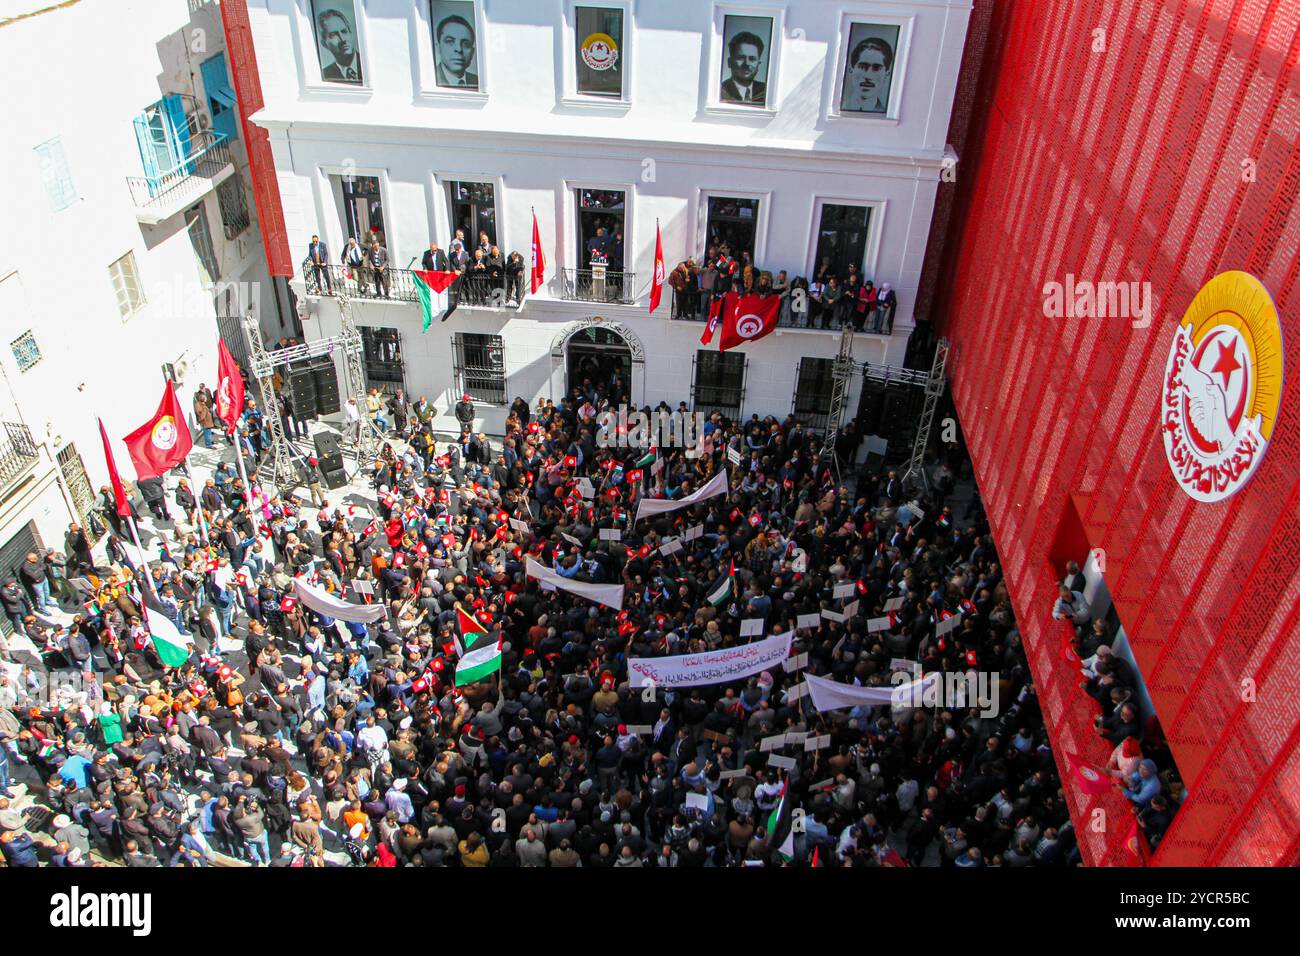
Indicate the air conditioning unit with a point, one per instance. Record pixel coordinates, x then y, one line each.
179 369
204 122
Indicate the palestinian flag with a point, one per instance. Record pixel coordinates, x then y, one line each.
433 291
172 646
472 633
483 661
779 832
726 589
649 458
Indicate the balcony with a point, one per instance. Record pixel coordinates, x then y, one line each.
693 307
18 453
473 291
204 165
598 285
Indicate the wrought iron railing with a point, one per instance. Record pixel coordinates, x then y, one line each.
693 306
209 154
18 452
481 291
598 285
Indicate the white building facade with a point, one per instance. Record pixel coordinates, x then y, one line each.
131 228
796 132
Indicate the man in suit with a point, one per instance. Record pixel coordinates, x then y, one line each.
318 257
336 37
378 256
455 48
868 77
744 55
435 260
354 264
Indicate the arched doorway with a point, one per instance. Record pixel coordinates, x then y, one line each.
606 354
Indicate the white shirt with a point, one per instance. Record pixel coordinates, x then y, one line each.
373 738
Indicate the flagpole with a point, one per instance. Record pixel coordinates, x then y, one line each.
243 475
198 500
144 557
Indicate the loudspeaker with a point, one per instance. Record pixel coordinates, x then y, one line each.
336 478
327 446
327 388
871 406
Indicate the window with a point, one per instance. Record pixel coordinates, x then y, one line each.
233 205
841 239
221 98
869 69
126 284
362 209
598 46
26 352
166 133
601 213
719 382
383 348
746 51
734 223
55 174
473 210
480 367
196 222
812 391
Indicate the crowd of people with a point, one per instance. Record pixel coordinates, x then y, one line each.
289 738
1141 765
826 301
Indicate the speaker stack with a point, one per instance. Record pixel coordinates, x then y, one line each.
330 456
314 387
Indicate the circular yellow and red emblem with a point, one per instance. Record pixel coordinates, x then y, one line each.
163 435
600 51
1222 387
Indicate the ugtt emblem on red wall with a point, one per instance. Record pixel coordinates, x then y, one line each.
1222 387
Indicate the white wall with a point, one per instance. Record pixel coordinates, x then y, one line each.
82 73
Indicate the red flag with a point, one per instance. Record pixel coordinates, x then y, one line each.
1136 843
718 309
230 387
119 494
1068 653
1090 779
755 316
539 260
163 441
657 285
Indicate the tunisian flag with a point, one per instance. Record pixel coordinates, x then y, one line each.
230 387
163 441
755 316
719 308
539 261
657 285
1091 780
122 506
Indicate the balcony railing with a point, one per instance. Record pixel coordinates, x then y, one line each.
17 451
598 285
364 282
209 154
693 306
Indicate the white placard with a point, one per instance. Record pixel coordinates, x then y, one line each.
520 526
877 624
724 775
851 610
844 590
943 627
698 801
771 743
796 736
808 620
585 487
733 455
916 510
900 664
640 728
363 587
833 616
781 763
694 531
893 604
751 627
571 539
817 743
798 690
670 547
798 662
611 534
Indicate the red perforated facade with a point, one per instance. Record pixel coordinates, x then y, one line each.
1169 157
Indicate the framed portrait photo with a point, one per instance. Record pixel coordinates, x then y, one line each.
746 57
337 43
871 59
455 44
